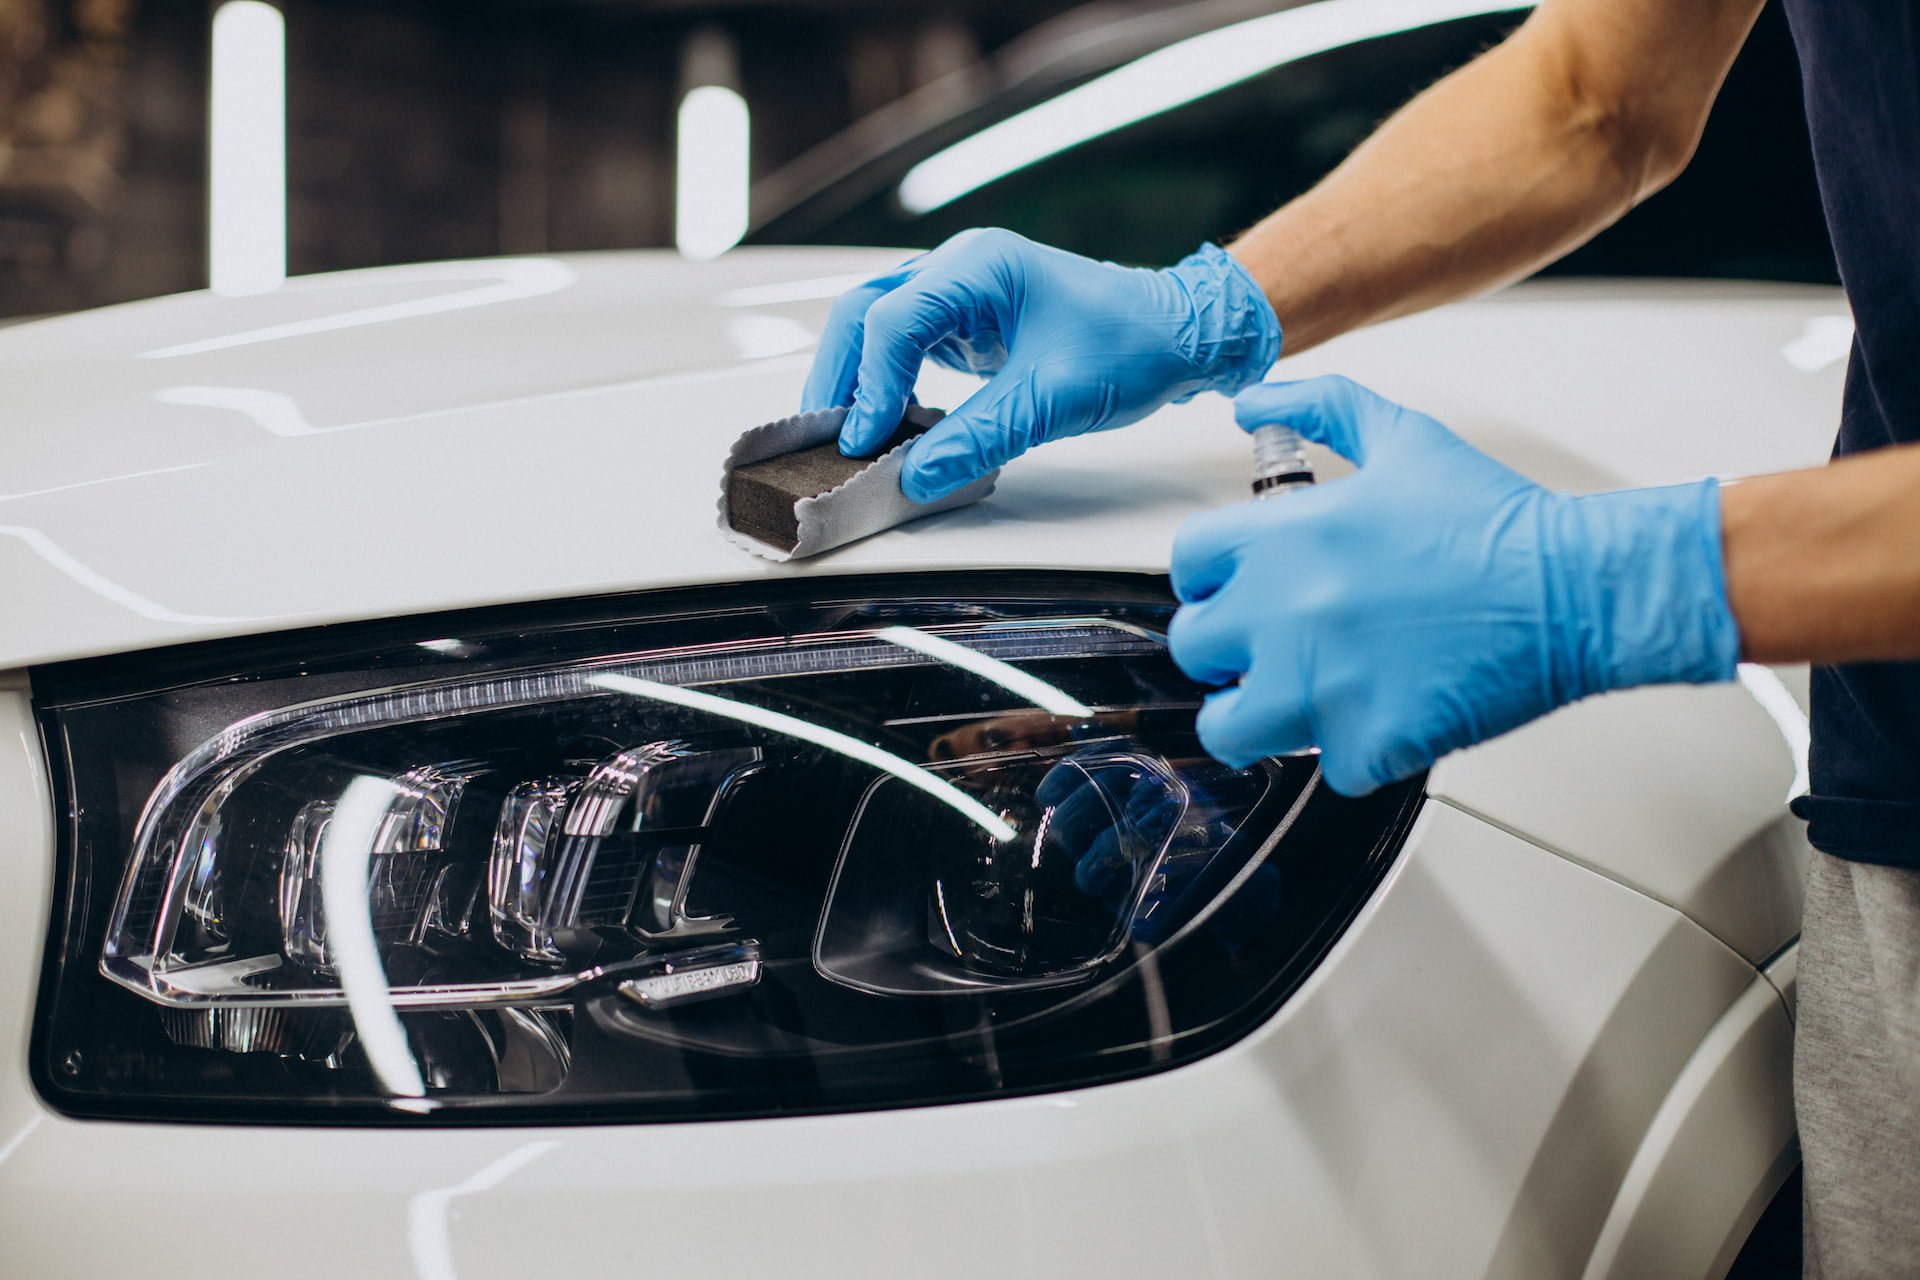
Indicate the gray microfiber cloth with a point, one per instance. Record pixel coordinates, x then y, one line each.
786 491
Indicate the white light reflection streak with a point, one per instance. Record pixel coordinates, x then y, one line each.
1169 78
774 722
13 1143
274 412
758 337
1047 697
506 280
1824 341
430 1235
811 289
679 378
107 589
346 854
247 150
1778 702
88 484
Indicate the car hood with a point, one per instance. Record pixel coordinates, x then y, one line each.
412 439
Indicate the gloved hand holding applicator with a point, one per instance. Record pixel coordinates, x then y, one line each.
1069 345
1430 601
1433 599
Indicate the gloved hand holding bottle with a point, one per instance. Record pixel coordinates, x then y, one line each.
1435 598
1069 345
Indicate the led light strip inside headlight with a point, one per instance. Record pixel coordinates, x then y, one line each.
571 852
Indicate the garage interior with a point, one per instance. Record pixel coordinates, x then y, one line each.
416 131
538 126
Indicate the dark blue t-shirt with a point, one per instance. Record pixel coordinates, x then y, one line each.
1860 60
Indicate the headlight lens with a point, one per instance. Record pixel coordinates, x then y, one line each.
813 846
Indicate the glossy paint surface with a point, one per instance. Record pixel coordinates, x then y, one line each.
1454 1093
1679 791
425 438
1543 1023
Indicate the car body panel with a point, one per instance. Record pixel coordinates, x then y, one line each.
413 440
26 827
1726 1107
1477 1048
409 440
1539 1021
1679 791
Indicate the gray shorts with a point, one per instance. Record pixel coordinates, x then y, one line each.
1856 1071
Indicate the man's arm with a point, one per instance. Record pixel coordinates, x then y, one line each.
1824 565
1435 599
1503 166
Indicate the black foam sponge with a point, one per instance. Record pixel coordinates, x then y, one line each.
761 496
786 492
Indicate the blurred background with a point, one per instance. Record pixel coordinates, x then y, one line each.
154 146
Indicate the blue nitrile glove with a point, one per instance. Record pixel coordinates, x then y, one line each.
1072 345
1434 599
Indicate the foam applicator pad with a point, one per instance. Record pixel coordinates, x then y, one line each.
787 492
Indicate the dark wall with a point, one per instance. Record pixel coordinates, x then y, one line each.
417 129
102 151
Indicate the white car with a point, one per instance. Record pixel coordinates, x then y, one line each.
433 849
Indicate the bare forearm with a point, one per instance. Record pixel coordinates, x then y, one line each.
1452 196
1501 167
1824 565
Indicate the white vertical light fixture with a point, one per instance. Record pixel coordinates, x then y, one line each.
247 150
711 163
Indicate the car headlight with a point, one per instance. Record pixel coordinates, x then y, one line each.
822 845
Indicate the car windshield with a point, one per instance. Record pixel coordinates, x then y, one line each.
1204 169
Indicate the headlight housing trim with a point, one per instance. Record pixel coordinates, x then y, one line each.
394 650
